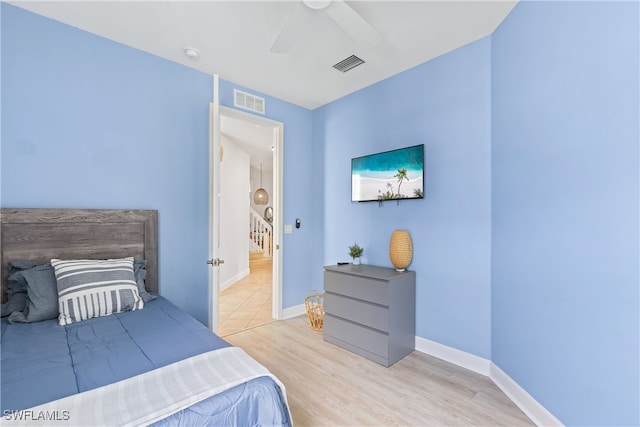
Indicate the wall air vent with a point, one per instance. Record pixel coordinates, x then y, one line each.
348 63
248 102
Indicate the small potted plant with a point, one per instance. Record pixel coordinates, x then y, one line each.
355 252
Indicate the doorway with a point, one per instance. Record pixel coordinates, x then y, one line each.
250 280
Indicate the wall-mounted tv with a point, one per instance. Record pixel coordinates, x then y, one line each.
391 175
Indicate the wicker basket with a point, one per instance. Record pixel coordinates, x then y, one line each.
315 310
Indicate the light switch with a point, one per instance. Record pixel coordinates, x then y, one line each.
288 229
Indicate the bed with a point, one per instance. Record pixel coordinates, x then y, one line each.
143 361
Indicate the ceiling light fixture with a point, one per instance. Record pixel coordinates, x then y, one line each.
261 197
192 53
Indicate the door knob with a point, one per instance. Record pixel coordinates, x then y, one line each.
215 262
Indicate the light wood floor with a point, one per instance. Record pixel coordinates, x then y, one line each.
247 303
329 386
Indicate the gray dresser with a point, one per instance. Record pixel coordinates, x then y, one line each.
370 311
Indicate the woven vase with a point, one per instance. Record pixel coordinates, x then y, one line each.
400 249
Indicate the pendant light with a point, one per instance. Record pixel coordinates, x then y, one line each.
261 197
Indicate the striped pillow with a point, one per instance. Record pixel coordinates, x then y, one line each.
92 288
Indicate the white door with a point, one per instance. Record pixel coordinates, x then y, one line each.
214 207
277 129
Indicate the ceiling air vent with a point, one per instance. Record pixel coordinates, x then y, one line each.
348 63
247 101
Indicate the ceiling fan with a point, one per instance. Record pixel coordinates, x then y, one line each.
351 21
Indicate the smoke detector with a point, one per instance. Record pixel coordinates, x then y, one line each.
317 4
192 53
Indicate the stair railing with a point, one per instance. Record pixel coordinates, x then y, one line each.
260 233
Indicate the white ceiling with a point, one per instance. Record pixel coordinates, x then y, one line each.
235 37
257 140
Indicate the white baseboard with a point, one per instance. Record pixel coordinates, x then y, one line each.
531 407
294 311
457 357
227 283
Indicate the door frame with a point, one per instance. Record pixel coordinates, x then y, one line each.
214 206
278 143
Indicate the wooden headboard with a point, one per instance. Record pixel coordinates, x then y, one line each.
42 234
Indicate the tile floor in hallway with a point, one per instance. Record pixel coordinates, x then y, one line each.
247 303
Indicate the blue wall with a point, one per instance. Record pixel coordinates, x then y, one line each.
565 259
526 245
444 104
89 123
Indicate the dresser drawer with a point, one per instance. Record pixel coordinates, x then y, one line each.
359 336
373 316
363 288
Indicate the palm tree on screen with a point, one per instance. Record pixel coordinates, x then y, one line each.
401 176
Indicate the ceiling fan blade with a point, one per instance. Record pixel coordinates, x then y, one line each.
355 25
291 30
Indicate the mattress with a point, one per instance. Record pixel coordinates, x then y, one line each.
43 362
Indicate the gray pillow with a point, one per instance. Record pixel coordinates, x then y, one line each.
140 272
15 302
89 288
16 287
20 265
43 291
42 295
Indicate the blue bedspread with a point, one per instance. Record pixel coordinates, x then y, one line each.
43 361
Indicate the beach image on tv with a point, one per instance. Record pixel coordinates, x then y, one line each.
392 175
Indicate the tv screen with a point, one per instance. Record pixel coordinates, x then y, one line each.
391 175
